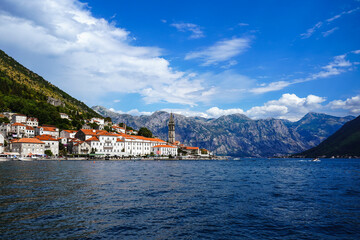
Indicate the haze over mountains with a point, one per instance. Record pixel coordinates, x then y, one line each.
238 135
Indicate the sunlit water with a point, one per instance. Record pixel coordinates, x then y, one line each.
246 199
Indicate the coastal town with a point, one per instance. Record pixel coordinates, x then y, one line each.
21 137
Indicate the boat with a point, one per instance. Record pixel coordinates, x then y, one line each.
316 160
4 157
29 158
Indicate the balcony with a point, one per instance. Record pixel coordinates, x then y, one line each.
108 141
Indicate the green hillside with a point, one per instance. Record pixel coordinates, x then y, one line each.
344 142
25 92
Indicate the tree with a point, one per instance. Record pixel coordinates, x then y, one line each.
48 153
145 132
108 119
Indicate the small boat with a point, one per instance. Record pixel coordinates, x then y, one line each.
316 160
29 158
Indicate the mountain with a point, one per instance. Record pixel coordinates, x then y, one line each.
25 92
344 142
236 134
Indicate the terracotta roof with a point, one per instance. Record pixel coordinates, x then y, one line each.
32 119
49 129
27 140
191 148
18 124
70 131
29 128
119 140
163 146
92 139
46 137
92 132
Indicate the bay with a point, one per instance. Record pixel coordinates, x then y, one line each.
246 199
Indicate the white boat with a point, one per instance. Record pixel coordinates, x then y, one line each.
316 160
29 158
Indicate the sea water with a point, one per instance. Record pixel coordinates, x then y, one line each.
246 199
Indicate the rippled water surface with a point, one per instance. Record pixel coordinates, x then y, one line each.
246 199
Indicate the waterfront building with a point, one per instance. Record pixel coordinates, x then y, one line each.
81 147
165 150
2 140
33 122
106 143
171 125
51 143
27 146
191 150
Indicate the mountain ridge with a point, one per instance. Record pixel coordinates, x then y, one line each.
239 135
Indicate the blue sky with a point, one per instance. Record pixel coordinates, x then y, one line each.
264 59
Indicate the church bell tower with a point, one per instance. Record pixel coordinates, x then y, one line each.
171 137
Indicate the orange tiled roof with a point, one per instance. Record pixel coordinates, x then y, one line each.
18 124
191 148
92 139
32 119
27 140
46 137
70 131
49 129
29 128
164 146
92 132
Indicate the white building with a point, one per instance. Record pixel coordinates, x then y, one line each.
165 150
18 118
29 132
107 144
27 146
32 122
18 129
68 133
64 116
81 147
53 131
51 143
98 121
5 129
2 140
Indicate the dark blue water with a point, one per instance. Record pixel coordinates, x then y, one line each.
248 199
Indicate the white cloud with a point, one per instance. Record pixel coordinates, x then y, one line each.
327 33
338 65
311 31
318 25
289 106
134 112
221 51
274 86
216 112
89 57
341 14
352 105
195 30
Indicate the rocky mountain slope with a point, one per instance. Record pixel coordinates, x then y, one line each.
23 91
344 142
238 135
